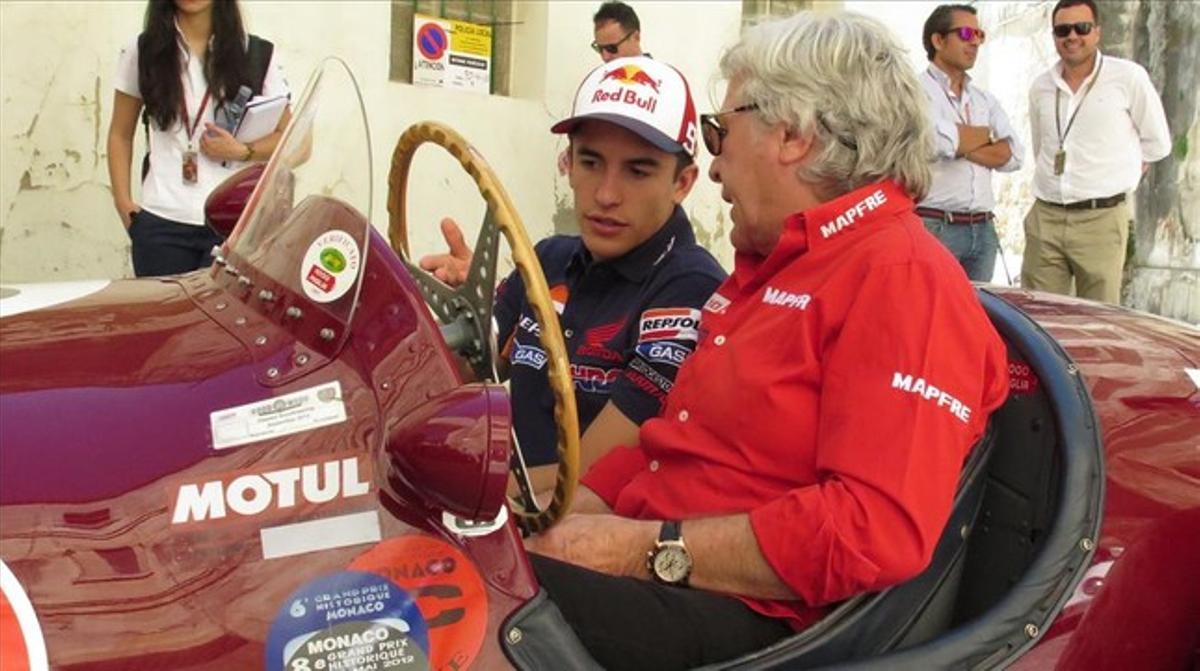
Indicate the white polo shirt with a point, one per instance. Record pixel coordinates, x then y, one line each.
1121 124
164 192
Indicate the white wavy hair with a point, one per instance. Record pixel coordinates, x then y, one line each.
844 77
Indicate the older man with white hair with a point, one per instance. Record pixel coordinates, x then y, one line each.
810 448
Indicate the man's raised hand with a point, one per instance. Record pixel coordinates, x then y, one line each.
450 268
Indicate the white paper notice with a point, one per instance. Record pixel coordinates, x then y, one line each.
280 416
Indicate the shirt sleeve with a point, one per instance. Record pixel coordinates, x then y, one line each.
609 475
510 301
1002 129
667 333
945 128
906 390
126 79
1146 110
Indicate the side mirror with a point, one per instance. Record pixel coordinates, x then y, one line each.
451 454
225 204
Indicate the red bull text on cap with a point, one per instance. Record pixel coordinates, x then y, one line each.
642 95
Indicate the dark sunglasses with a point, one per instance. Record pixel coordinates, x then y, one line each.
1082 28
967 33
611 48
713 132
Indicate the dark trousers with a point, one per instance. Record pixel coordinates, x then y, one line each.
165 247
627 623
974 245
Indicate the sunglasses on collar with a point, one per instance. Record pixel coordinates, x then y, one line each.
1082 28
611 48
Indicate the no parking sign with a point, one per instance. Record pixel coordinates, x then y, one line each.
452 54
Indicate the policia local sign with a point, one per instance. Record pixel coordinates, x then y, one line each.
452 54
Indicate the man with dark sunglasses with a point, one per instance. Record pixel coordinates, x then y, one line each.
972 137
1096 123
618 33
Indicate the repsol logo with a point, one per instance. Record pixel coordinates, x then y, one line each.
258 493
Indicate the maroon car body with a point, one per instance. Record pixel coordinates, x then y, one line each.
187 462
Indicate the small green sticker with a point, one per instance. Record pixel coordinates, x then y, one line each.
333 260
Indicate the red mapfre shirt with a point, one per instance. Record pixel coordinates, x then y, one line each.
836 390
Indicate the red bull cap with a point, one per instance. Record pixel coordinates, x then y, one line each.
642 95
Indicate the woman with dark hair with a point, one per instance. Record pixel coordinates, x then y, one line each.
181 74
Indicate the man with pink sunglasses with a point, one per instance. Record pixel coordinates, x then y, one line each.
972 137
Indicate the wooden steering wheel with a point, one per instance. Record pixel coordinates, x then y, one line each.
466 311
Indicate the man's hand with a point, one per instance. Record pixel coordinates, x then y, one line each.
450 268
605 543
971 138
217 144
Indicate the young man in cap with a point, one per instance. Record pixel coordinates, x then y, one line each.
630 285
812 445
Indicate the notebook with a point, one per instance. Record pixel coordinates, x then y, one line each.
260 118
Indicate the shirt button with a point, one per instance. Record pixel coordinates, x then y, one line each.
568 333
683 415
654 466
719 340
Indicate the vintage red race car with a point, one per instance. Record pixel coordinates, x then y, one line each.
298 459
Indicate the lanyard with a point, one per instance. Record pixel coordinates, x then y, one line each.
966 103
190 127
1062 134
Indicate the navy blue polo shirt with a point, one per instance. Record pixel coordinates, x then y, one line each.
628 323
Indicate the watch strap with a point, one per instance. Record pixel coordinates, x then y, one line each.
672 530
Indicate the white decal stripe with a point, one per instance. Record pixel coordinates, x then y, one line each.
323 534
29 297
1193 373
35 645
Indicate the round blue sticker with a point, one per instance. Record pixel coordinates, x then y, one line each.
349 621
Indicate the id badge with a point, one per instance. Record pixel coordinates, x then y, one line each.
190 167
1060 161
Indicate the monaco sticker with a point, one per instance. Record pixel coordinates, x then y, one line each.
265 492
330 266
449 592
299 411
1021 378
348 621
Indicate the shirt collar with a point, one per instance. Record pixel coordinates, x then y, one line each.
639 261
832 222
181 40
1057 72
943 79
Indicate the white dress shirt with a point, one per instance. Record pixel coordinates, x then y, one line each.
1121 124
958 184
164 192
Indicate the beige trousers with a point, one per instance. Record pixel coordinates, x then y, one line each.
1085 245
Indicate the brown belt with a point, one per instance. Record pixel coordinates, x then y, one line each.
1090 204
954 217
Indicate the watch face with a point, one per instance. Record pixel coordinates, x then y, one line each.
672 564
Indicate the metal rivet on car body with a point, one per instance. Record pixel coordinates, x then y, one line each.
294 312
385 386
301 359
327 334
965 530
240 321
266 295
272 373
221 306
260 340
244 281
515 635
1031 630
1087 545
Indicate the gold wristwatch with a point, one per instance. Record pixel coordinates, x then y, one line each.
670 562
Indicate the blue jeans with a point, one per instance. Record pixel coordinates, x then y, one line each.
974 245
